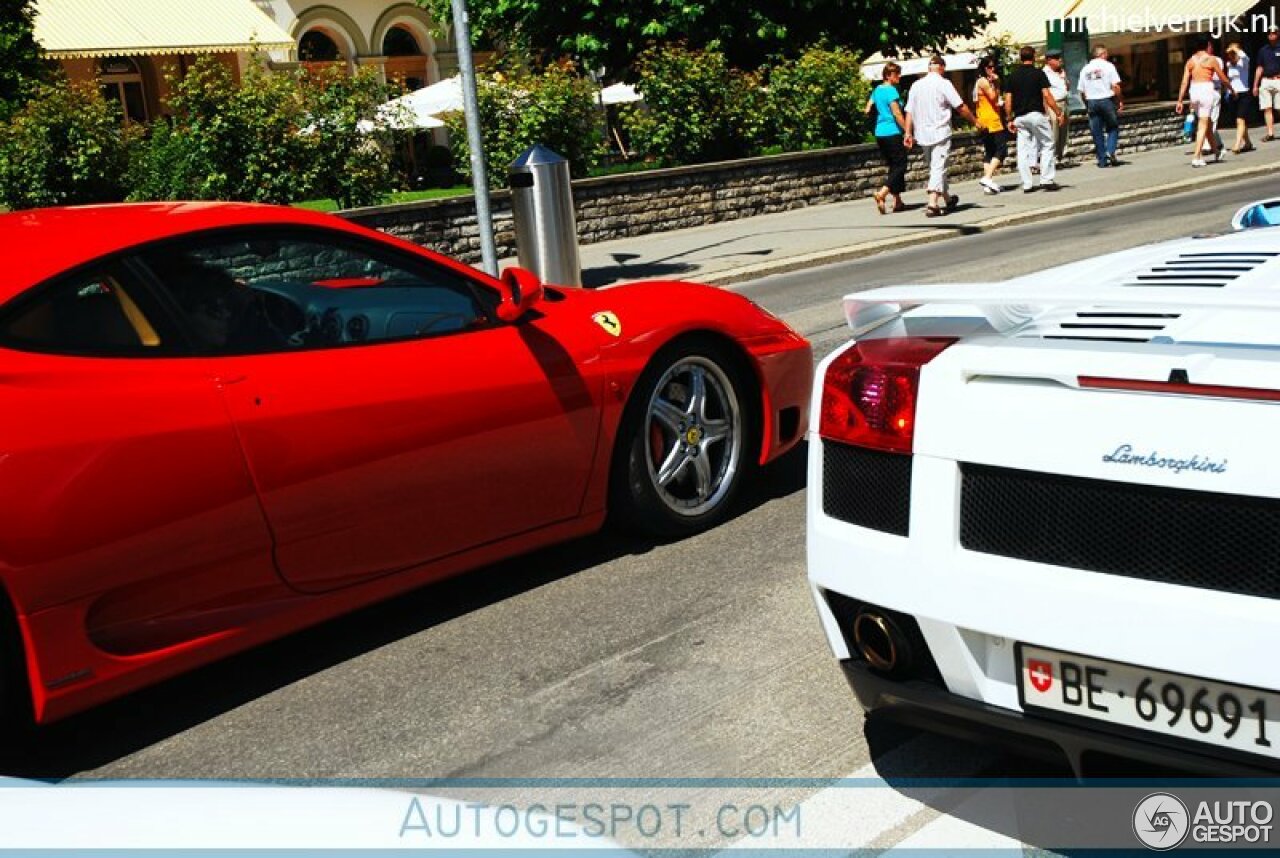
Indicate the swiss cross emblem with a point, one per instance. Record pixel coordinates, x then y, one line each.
1041 673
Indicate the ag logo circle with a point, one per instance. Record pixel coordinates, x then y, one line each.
1161 822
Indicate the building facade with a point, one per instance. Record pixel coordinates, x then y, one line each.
132 49
398 38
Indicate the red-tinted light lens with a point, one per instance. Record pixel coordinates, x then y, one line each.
869 393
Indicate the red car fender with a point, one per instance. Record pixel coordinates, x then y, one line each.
780 358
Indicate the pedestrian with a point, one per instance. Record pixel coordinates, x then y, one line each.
1060 89
1199 75
930 105
1242 100
988 109
1029 103
1266 81
886 102
1099 84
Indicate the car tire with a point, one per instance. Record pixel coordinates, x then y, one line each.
687 441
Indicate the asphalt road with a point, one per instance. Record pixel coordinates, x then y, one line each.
606 657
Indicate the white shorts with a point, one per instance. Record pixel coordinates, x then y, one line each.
1269 94
1204 99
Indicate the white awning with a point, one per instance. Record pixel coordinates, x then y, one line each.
104 28
920 65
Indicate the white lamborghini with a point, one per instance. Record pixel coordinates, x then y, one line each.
1048 510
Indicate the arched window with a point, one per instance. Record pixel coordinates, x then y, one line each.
121 82
399 42
316 46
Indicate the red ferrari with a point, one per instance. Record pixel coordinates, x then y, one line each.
224 422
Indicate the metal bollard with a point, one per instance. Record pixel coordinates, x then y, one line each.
546 227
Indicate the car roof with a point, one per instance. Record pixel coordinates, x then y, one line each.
40 243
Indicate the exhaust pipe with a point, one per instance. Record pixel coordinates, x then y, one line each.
881 642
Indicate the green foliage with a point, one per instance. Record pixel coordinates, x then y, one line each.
612 33
67 146
818 100
277 137
1005 52
21 67
351 164
697 108
227 142
557 108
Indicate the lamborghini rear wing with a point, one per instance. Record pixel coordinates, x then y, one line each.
1008 307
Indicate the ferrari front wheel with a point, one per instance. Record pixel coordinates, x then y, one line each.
687 441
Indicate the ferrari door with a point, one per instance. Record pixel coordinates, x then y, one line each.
386 419
123 488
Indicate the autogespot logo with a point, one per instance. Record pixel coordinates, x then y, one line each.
1160 821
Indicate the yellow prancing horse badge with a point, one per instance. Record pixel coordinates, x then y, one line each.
609 322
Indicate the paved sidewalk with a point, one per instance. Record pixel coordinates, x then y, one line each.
745 249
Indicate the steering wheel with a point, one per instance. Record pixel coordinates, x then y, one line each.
267 318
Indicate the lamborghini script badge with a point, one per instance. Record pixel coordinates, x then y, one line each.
609 322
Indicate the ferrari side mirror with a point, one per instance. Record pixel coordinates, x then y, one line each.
523 291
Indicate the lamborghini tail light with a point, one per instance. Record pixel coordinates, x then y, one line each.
869 392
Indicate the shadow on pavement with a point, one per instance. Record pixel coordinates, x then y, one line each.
124 726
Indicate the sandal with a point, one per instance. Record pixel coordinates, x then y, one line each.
879 202
899 206
932 211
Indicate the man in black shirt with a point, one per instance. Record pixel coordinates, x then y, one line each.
1266 80
1029 104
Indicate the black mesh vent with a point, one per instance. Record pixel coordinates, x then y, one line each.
868 488
1197 539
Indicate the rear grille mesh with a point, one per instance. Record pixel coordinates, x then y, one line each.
868 488
1197 539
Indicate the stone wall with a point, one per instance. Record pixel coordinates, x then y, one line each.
660 200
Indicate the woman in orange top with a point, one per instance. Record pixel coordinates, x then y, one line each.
988 107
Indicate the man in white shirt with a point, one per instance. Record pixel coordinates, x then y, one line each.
1100 86
1058 88
930 104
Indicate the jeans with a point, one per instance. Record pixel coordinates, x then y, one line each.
1104 124
1035 142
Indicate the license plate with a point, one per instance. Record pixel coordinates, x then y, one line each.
1170 704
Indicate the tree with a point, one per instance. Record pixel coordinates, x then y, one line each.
556 108
612 33
818 99
227 142
350 157
276 137
66 146
696 108
21 66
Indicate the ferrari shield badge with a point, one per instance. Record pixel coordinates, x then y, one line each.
609 322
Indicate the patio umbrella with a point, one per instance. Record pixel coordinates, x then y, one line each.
620 93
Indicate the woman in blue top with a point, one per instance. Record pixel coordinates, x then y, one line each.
886 103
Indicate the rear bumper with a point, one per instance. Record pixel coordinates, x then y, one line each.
930 707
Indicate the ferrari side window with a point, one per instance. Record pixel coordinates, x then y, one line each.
273 291
91 314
